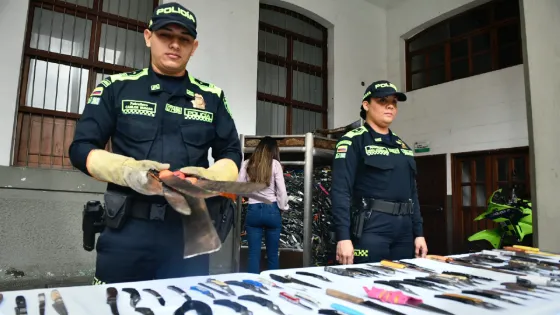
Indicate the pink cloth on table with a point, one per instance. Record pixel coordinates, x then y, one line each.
394 297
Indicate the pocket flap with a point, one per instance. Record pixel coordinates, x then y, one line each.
380 163
137 130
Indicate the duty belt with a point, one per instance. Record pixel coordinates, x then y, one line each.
393 208
142 209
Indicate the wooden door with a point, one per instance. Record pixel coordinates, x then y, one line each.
432 191
475 177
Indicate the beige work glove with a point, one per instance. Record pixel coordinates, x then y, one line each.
125 171
221 170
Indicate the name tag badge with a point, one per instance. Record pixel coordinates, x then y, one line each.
132 107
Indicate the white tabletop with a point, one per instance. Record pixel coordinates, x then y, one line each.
85 300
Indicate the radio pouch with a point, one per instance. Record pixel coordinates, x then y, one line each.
117 206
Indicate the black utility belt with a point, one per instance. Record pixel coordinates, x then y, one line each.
119 206
393 208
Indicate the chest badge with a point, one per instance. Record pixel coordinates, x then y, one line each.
399 141
198 102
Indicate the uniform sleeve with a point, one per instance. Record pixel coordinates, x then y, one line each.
95 126
417 221
227 144
343 175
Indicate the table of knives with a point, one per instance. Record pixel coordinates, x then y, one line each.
291 235
514 279
488 282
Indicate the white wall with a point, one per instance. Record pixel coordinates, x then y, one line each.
482 112
13 17
227 55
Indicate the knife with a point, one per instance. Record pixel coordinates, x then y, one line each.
41 303
58 304
112 300
21 305
288 279
360 301
314 275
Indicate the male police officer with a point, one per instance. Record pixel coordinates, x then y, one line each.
374 176
159 118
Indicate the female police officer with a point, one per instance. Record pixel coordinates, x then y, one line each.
374 197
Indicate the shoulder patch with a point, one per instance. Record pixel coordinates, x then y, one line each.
205 86
356 132
134 75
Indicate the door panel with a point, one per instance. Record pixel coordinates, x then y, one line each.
476 176
432 191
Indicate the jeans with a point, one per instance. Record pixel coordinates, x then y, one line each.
267 217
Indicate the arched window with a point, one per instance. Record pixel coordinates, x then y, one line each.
292 73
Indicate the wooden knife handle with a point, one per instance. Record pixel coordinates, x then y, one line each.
514 249
391 264
344 296
439 258
464 297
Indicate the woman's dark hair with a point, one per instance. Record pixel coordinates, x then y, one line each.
259 167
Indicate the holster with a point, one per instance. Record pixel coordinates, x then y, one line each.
117 208
357 224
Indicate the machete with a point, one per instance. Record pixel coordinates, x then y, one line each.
199 234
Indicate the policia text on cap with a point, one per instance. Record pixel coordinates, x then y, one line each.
375 201
159 118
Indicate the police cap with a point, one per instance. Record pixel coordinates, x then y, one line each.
173 13
379 89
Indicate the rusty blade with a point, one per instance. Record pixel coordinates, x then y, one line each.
176 200
205 188
199 234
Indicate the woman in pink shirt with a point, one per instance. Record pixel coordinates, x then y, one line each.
264 167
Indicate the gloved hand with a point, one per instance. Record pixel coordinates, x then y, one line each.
125 171
222 170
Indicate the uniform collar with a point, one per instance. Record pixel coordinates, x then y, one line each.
158 86
390 138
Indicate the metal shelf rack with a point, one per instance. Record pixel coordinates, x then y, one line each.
308 150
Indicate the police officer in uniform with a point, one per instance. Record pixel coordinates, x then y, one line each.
161 117
375 202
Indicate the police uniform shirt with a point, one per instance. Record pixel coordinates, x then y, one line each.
371 165
147 117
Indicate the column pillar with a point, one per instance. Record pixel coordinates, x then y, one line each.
540 26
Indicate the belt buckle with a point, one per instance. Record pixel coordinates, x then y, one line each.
157 211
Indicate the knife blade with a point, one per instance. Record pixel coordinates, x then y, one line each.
288 279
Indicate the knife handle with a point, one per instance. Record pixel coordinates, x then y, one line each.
217 282
388 263
439 258
344 309
526 248
464 298
55 295
344 296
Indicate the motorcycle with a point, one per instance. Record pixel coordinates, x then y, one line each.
514 217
